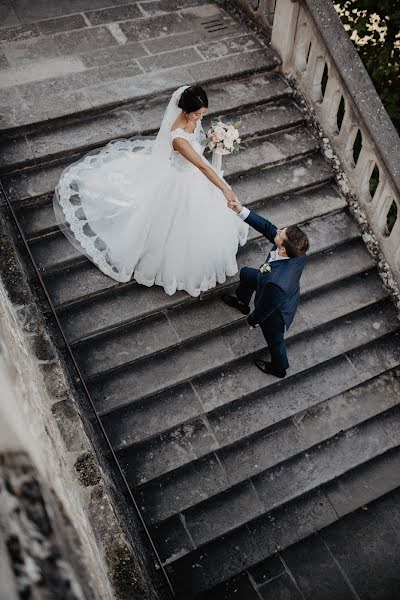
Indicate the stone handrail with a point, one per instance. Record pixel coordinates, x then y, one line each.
316 50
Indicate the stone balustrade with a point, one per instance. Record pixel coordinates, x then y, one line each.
317 52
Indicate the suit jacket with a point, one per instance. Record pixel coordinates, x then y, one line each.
279 288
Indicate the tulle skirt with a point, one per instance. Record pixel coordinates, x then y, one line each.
164 225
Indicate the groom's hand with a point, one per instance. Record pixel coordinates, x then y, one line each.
250 322
235 204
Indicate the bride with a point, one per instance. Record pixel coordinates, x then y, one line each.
154 209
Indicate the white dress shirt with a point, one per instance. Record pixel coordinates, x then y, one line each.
243 214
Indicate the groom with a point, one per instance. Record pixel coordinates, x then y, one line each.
276 285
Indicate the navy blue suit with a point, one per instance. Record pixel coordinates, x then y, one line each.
277 294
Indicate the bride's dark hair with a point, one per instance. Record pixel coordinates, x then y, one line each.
193 98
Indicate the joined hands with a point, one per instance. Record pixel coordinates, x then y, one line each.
233 201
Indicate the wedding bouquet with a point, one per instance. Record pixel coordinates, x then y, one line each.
223 138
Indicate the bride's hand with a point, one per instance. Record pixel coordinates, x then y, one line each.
230 196
233 201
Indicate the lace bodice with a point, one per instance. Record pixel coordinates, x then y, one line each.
195 139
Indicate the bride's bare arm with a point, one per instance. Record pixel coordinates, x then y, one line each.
184 148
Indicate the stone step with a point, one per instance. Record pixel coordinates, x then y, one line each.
152 416
361 438
176 448
76 138
168 329
87 321
231 423
281 528
85 280
360 357
53 251
36 186
38 220
22 150
170 368
311 279
132 93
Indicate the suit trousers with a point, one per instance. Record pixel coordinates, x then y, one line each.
273 327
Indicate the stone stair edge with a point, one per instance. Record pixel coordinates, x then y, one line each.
366 380
206 295
81 259
214 293
317 494
46 197
77 152
240 110
320 486
79 305
173 469
271 70
125 446
35 202
105 332
383 303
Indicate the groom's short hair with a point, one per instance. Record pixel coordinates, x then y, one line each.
296 241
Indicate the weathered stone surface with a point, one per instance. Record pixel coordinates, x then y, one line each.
126 427
115 349
113 55
33 541
184 56
67 23
233 345
262 451
237 587
314 468
27 78
18 32
226 511
227 557
160 6
315 571
267 569
100 129
366 546
30 50
233 45
241 379
193 440
210 565
281 588
204 478
84 40
172 540
244 418
173 42
368 483
87 469
112 14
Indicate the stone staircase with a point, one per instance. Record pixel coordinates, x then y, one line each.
228 465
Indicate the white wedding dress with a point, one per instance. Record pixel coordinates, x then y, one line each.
139 208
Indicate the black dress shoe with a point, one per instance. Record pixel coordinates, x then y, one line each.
266 367
233 301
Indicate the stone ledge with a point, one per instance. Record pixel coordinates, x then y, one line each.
358 83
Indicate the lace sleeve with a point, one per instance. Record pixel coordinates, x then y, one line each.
181 134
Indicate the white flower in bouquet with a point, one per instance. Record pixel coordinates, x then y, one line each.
223 138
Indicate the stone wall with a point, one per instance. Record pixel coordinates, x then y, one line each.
59 519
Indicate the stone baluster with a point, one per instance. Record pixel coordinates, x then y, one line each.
302 36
